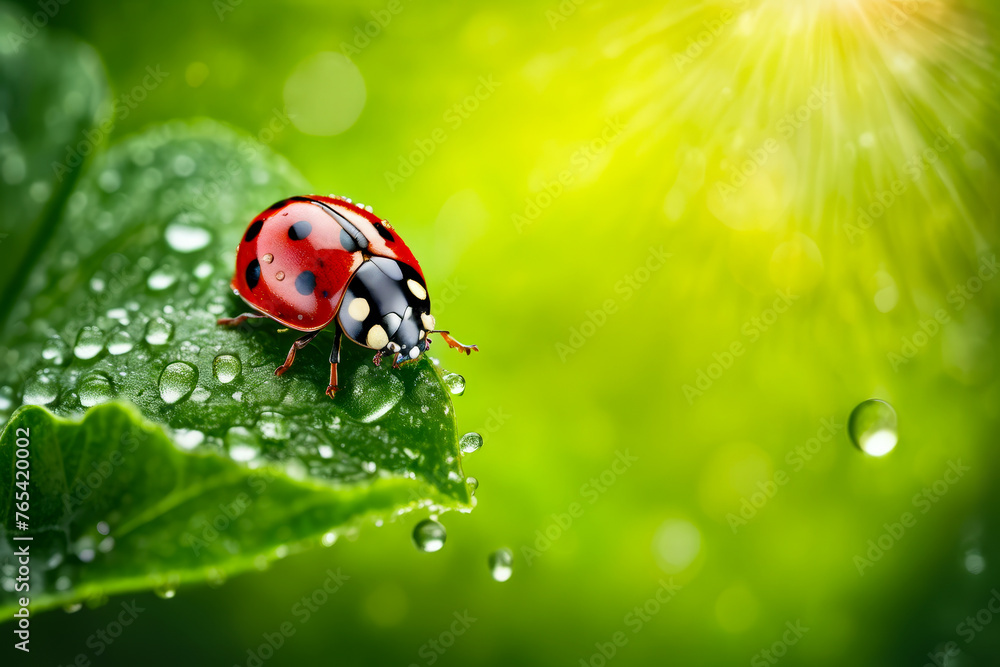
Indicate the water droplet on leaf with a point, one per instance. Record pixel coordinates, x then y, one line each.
455 383
226 368
95 389
177 382
89 342
470 442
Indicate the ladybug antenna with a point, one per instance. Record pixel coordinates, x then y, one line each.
346 224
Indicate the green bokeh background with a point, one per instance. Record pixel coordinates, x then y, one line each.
554 419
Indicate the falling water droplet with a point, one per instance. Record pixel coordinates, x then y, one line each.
55 350
470 442
429 535
89 342
501 564
95 389
455 383
872 427
177 382
226 368
159 331
41 389
120 343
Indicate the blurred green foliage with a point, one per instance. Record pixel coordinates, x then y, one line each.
753 142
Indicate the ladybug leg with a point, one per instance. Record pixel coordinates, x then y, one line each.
468 349
331 388
238 320
296 346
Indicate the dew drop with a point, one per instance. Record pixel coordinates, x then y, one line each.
455 383
177 382
103 528
372 394
203 270
161 278
41 389
165 592
273 426
159 331
226 368
501 564
89 342
188 438
429 535
6 397
120 343
55 350
242 444
470 442
187 238
329 539
73 608
872 427
473 484
95 389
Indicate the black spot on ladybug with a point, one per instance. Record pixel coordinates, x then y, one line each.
276 205
299 230
305 283
253 273
253 230
350 245
383 232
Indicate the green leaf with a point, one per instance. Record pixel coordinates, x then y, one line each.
44 137
121 307
114 506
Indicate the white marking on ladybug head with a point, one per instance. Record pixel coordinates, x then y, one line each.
428 321
377 338
393 347
422 334
417 289
414 352
358 309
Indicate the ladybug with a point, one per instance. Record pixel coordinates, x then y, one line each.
311 261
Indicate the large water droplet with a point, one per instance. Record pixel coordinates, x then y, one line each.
473 484
120 343
226 368
185 238
89 342
501 564
455 383
55 350
159 331
872 427
41 389
95 389
177 382
470 442
429 535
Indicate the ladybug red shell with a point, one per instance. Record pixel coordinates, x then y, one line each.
310 262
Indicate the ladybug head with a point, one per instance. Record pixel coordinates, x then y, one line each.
386 308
